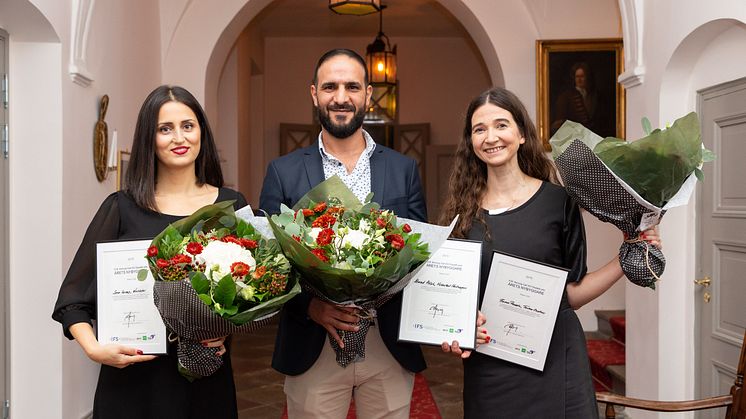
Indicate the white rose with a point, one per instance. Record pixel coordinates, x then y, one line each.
364 225
218 257
355 238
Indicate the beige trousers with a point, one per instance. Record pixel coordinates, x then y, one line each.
380 386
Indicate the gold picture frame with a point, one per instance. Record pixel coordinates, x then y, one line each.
123 160
577 79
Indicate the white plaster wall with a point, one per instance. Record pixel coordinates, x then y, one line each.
35 228
679 59
225 127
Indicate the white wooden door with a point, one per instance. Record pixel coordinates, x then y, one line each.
721 240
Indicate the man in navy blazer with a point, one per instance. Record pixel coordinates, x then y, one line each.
316 385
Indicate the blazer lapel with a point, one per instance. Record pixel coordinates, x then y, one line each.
377 174
314 168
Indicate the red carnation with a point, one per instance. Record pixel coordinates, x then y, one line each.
181 258
325 237
381 222
406 228
259 272
307 212
161 263
321 254
397 242
152 251
231 239
319 208
194 248
239 269
296 238
249 244
324 221
336 210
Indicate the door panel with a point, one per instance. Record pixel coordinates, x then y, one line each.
721 240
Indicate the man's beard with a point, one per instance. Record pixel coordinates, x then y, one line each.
344 130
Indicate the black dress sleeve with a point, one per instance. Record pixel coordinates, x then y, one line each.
76 302
575 251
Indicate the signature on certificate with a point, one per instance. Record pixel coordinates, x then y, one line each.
437 311
129 318
511 329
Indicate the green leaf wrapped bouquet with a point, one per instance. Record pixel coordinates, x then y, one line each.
352 253
632 184
215 276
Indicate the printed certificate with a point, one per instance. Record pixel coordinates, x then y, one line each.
440 302
521 303
126 312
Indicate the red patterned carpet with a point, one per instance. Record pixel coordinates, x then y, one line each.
422 407
603 353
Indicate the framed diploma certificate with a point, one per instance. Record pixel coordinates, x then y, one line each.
520 302
440 302
126 312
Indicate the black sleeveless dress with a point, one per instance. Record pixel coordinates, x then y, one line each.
152 389
547 228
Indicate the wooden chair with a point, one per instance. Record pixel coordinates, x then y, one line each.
735 401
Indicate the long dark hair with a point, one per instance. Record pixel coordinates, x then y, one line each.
468 180
139 181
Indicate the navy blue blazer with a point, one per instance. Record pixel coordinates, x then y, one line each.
395 183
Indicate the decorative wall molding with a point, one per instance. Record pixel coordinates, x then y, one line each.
632 12
82 10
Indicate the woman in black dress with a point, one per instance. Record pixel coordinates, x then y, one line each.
505 189
174 170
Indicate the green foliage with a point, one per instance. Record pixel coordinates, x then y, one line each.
657 165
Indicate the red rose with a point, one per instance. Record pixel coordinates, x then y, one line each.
296 238
307 212
194 248
319 208
321 254
397 242
161 263
152 251
325 237
381 222
406 228
248 244
239 269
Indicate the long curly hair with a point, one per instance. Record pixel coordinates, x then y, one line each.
468 182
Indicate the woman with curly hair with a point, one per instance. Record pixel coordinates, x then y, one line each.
506 191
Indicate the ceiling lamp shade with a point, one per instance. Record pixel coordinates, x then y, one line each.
355 7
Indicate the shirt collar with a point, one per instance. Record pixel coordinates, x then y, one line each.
370 146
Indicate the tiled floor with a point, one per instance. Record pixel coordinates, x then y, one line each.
259 387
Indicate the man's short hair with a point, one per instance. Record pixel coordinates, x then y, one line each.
340 51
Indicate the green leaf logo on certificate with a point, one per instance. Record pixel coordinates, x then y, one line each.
521 303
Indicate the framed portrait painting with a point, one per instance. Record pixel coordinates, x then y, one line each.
123 162
577 81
